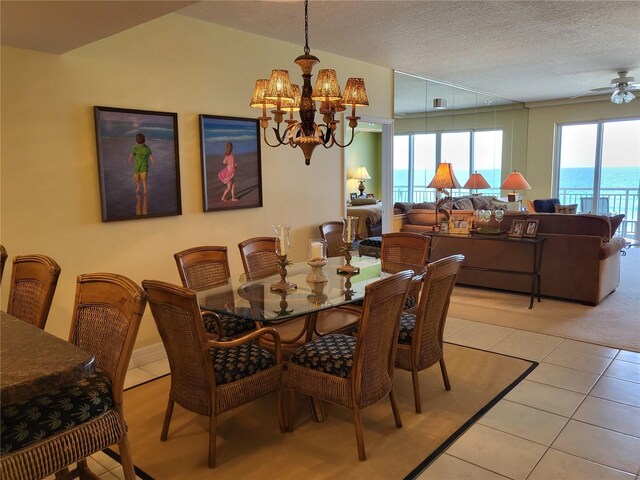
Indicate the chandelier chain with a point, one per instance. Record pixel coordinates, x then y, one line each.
306 27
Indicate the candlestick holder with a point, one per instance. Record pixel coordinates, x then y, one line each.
283 285
284 311
349 228
316 259
347 291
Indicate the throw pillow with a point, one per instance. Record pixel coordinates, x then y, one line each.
463 204
481 202
546 205
363 201
570 209
403 207
615 220
425 206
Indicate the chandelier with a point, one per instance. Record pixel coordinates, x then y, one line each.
278 92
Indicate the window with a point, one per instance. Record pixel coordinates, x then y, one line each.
601 159
416 156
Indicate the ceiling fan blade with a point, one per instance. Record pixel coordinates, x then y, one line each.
603 89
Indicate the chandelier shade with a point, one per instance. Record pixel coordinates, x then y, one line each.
327 88
258 100
280 94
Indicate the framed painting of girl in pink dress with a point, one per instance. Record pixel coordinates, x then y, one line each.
231 166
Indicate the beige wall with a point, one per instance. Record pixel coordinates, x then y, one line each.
49 186
542 129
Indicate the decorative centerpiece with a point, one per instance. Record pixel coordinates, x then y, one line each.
316 259
349 227
283 245
317 297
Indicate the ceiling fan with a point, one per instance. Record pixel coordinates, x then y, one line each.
622 88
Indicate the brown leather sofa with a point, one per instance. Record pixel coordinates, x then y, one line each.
581 260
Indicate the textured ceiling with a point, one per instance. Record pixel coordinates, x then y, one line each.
522 50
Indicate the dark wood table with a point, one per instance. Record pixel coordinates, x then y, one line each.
532 246
35 362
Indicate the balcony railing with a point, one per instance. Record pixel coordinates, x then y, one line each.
612 201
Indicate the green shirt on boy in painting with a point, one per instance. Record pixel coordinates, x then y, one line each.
141 153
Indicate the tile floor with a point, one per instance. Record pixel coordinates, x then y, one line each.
576 416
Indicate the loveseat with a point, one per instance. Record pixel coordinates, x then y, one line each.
581 258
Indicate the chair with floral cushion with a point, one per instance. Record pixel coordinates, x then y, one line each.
207 267
259 260
332 233
354 372
33 282
405 251
210 377
3 259
48 433
421 334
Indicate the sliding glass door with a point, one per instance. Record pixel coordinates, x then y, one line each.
601 160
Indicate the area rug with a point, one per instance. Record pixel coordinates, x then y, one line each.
251 446
615 322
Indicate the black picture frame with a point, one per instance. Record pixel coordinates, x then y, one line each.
353 196
517 229
244 186
132 186
530 229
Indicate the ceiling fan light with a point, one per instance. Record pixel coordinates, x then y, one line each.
628 96
617 97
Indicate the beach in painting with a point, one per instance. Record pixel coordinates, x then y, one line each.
117 137
243 135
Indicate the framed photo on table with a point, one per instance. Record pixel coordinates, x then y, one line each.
231 163
530 229
138 164
353 196
517 229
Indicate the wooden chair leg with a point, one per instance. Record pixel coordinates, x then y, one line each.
416 389
394 408
167 421
126 459
84 472
281 414
357 421
445 376
212 439
292 410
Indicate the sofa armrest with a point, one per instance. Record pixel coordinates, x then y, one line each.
612 247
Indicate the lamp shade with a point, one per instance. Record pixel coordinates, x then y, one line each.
444 177
258 99
326 88
361 173
293 105
355 93
515 181
476 181
279 86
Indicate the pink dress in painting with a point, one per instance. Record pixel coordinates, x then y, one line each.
226 174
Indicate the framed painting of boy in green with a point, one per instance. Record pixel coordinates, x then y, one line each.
138 163
231 166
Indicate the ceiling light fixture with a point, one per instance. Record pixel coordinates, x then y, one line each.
278 92
622 95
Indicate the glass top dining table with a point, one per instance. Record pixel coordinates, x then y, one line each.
255 300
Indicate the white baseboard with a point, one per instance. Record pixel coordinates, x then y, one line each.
144 355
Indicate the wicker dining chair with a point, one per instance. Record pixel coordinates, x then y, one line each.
3 259
420 339
354 372
210 377
106 317
207 267
332 233
405 251
33 282
259 260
